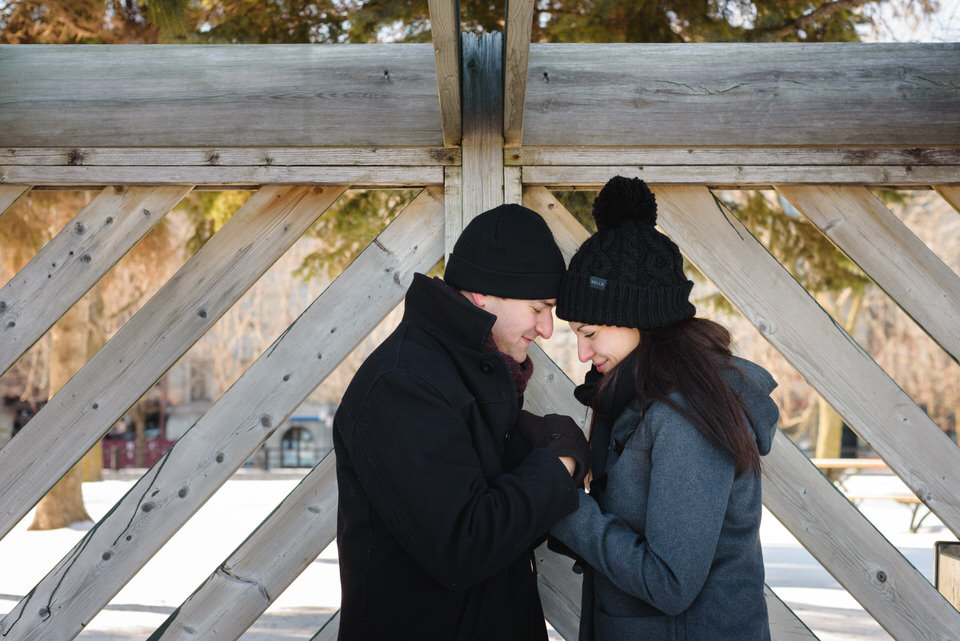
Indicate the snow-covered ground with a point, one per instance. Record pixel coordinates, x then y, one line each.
228 517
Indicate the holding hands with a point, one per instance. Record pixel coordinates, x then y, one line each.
560 435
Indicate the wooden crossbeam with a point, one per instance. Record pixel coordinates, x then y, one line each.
445 32
794 156
517 54
356 176
742 94
196 95
744 176
230 156
862 227
74 260
150 342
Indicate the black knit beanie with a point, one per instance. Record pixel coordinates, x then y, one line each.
628 274
507 251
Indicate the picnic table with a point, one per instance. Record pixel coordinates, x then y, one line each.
847 467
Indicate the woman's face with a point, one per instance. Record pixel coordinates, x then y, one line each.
604 345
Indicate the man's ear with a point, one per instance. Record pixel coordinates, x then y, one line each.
480 300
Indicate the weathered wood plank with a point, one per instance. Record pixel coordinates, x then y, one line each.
233 95
231 156
445 31
329 630
831 528
10 194
482 183
74 260
743 94
232 598
512 185
950 194
834 364
889 253
452 208
517 33
222 608
207 454
733 176
358 176
709 156
150 342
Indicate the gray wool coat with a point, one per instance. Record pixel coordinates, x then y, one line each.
672 543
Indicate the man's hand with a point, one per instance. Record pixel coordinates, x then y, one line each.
560 435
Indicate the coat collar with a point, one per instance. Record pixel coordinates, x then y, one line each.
442 310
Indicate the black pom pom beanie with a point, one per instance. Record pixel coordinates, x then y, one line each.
507 251
627 274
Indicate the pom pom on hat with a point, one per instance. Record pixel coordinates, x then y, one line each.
623 199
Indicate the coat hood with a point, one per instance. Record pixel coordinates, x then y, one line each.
755 387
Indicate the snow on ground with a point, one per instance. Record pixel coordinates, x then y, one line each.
244 501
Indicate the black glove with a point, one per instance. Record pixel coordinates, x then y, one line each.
560 435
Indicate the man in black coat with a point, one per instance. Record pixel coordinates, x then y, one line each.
445 483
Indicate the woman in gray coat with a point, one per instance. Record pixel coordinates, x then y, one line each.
669 532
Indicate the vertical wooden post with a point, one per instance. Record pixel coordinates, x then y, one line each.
947 570
482 184
452 208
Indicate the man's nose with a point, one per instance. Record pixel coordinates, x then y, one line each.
545 326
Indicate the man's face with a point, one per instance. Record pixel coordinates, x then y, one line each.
518 322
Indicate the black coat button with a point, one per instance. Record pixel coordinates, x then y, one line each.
486 367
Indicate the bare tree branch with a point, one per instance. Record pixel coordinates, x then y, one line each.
822 12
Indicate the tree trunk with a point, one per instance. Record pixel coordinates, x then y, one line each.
140 430
829 434
63 504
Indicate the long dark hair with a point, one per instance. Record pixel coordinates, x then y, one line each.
689 358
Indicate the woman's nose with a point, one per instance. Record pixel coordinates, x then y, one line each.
584 352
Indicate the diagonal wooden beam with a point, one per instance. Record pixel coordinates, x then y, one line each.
238 592
951 194
9 194
516 59
862 227
303 525
329 630
868 399
159 333
445 31
862 393
74 260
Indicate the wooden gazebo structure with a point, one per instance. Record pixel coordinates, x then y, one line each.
474 121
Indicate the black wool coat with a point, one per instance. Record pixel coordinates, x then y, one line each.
440 500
